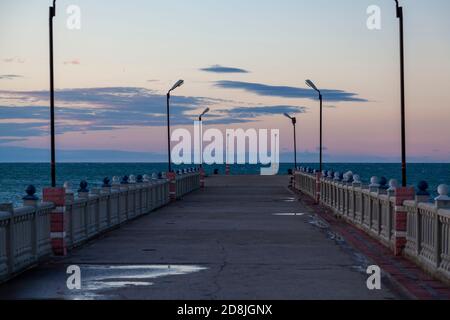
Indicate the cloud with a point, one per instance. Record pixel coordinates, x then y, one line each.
72 62
221 69
258 111
26 113
92 109
13 60
289 92
8 140
10 76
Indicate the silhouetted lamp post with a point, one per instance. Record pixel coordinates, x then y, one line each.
310 84
176 85
200 119
204 112
52 97
294 123
402 86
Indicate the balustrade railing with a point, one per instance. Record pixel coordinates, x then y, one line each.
26 232
373 209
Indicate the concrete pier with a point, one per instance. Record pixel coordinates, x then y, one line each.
239 238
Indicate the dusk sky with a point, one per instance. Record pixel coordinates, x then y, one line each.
245 59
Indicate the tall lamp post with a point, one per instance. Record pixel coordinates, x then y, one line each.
52 14
402 85
310 84
200 119
294 123
179 83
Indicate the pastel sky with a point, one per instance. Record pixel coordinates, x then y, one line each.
245 59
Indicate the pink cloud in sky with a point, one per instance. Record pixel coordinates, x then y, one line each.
13 60
72 62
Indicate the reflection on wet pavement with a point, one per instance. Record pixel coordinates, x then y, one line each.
96 280
289 214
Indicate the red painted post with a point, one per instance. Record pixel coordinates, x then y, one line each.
400 219
57 219
318 178
227 170
172 177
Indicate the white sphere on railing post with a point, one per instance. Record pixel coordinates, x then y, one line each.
116 183
356 181
348 177
337 176
393 185
443 200
70 194
330 174
68 187
374 184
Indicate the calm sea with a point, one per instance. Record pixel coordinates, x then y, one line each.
14 178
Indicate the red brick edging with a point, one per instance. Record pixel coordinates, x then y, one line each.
403 272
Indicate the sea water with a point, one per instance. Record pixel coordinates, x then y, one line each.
15 177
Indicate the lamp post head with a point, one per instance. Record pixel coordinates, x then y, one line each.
293 119
179 83
53 9
203 113
399 10
311 84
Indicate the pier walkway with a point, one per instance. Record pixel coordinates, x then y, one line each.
239 238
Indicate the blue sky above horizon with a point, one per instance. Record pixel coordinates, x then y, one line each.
245 59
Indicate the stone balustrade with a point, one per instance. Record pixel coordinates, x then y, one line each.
423 235
28 234
24 237
187 180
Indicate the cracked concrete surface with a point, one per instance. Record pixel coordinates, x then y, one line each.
229 237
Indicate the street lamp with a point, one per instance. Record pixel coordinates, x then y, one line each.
204 112
200 118
294 123
310 84
402 88
52 14
179 83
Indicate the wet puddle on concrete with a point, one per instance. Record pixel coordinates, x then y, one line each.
97 279
289 214
287 200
